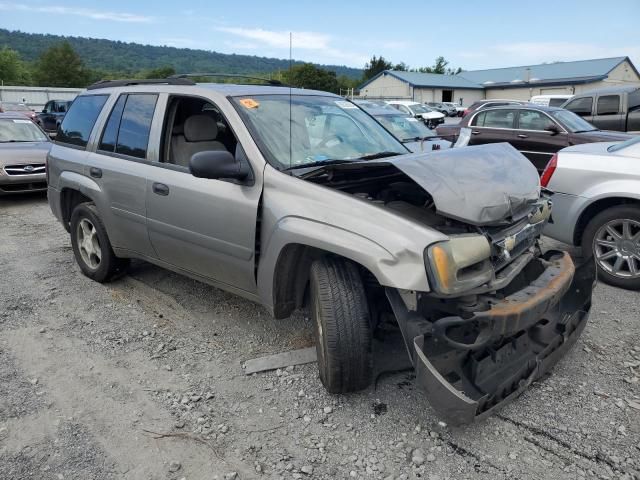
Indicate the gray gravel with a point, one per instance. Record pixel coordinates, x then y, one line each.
142 379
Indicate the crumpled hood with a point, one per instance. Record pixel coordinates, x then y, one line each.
20 153
481 185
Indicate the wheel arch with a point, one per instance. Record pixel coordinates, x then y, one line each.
596 207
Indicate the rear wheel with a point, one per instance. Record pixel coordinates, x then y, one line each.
613 238
342 325
91 245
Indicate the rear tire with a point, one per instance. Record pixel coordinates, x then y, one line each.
617 257
340 313
91 246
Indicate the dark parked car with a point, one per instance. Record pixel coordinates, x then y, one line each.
537 132
52 114
609 108
490 103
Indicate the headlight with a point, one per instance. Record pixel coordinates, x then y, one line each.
459 264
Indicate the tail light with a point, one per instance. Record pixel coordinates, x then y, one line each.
466 110
549 170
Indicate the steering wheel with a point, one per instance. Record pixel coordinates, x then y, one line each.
324 142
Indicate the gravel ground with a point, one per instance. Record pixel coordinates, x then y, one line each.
142 379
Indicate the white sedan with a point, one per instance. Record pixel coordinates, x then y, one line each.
596 205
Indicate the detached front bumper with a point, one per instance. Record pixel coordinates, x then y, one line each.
473 364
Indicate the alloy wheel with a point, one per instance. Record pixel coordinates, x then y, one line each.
616 247
88 244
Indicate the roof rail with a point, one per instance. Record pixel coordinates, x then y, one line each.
268 81
136 81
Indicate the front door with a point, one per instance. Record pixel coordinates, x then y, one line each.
609 114
535 140
48 117
204 226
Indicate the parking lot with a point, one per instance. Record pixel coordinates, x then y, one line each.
141 379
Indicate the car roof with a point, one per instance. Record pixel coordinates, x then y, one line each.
599 91
377 112
11 115
529 106
227 89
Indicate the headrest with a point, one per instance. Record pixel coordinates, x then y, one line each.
200 128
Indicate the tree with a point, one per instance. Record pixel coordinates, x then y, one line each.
61 66
375 66
160 72
440 67
12 70
401 67
309 76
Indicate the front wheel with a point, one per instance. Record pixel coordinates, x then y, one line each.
91 246
342 325
613 238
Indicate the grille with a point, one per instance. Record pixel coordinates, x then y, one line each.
28 169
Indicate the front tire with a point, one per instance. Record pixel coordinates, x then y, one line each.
613 238
342 325
91 246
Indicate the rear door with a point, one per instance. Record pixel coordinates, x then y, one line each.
534 140
492 126
120 165
609 114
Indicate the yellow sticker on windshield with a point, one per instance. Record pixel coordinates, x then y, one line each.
249 103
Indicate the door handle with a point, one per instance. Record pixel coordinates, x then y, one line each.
475 132
95 172
160 189
521 135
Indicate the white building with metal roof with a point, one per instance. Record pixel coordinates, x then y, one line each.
518 83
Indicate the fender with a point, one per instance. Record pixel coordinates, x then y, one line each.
402 269
76 181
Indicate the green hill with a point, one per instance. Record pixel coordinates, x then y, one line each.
128 58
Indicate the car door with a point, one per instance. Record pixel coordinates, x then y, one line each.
608 114
535 139
203 226
492 126
47 117
119 165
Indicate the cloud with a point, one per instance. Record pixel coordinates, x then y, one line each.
318 44
80 12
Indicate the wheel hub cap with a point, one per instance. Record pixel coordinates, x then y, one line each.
88 244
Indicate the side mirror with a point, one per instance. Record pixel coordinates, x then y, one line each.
215 164
553 128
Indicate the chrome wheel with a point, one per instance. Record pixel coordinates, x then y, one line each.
88 244
616 247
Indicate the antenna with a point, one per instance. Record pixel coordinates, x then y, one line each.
290 99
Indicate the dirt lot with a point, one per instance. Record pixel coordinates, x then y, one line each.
142 379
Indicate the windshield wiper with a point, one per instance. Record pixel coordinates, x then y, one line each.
373 156
321 163
583 131
420 139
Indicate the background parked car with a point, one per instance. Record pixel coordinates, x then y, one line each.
443 108
409 130
609 108
537 132
20 108
459 108
490 103
430 117
549 100
596 205
52 114
23 149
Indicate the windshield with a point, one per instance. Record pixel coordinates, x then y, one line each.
404 128
18 130
625 144
417 108
299 130
572 122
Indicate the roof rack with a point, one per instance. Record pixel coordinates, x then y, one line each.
145 81
268 81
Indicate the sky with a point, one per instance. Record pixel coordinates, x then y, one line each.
471 35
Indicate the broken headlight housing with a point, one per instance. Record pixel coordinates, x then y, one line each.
459 264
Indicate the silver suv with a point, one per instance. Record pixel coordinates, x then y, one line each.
295 198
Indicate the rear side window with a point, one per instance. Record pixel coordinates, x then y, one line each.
556 102
127 130
79 121
581 106
608 104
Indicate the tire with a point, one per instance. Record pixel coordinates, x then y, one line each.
94 255
622 251
343 332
